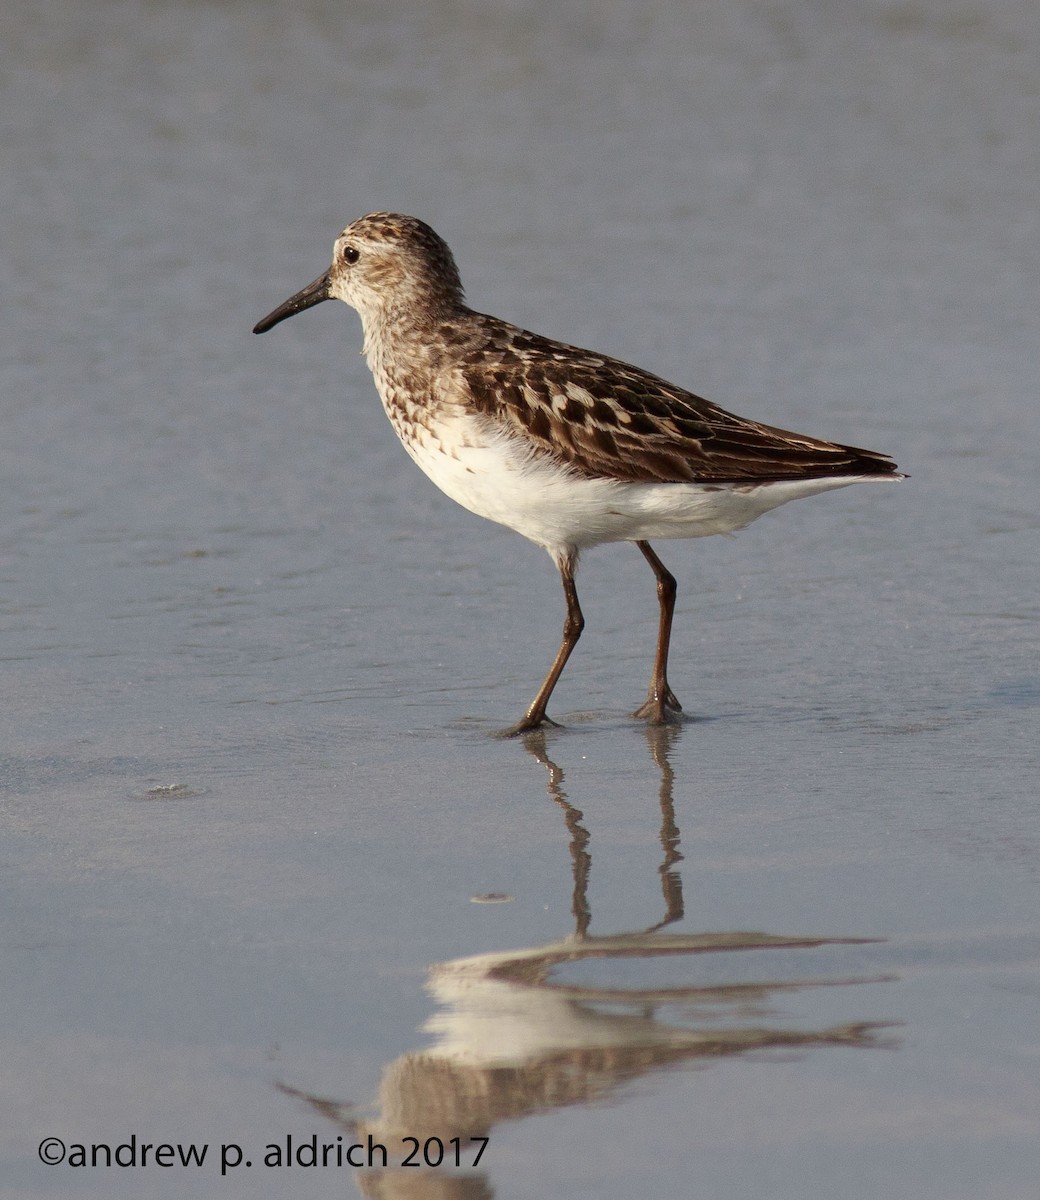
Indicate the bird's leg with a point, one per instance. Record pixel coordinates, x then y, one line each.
661 704
573 624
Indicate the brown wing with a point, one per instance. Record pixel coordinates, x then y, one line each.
608 419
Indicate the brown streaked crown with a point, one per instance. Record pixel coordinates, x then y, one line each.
430 259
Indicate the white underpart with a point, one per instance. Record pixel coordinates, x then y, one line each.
497 477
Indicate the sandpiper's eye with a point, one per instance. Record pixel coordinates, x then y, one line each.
351 254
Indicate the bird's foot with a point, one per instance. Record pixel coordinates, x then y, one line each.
661 707
529 724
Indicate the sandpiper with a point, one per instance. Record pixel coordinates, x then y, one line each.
568 447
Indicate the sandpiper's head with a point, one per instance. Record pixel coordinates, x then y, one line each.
381 264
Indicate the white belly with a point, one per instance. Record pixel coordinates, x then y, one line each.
496 478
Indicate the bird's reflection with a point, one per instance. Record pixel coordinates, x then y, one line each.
660 739
514 1037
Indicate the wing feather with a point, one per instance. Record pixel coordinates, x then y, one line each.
607 419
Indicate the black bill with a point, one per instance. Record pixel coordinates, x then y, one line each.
313 293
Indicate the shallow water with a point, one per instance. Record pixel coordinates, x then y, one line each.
267 874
